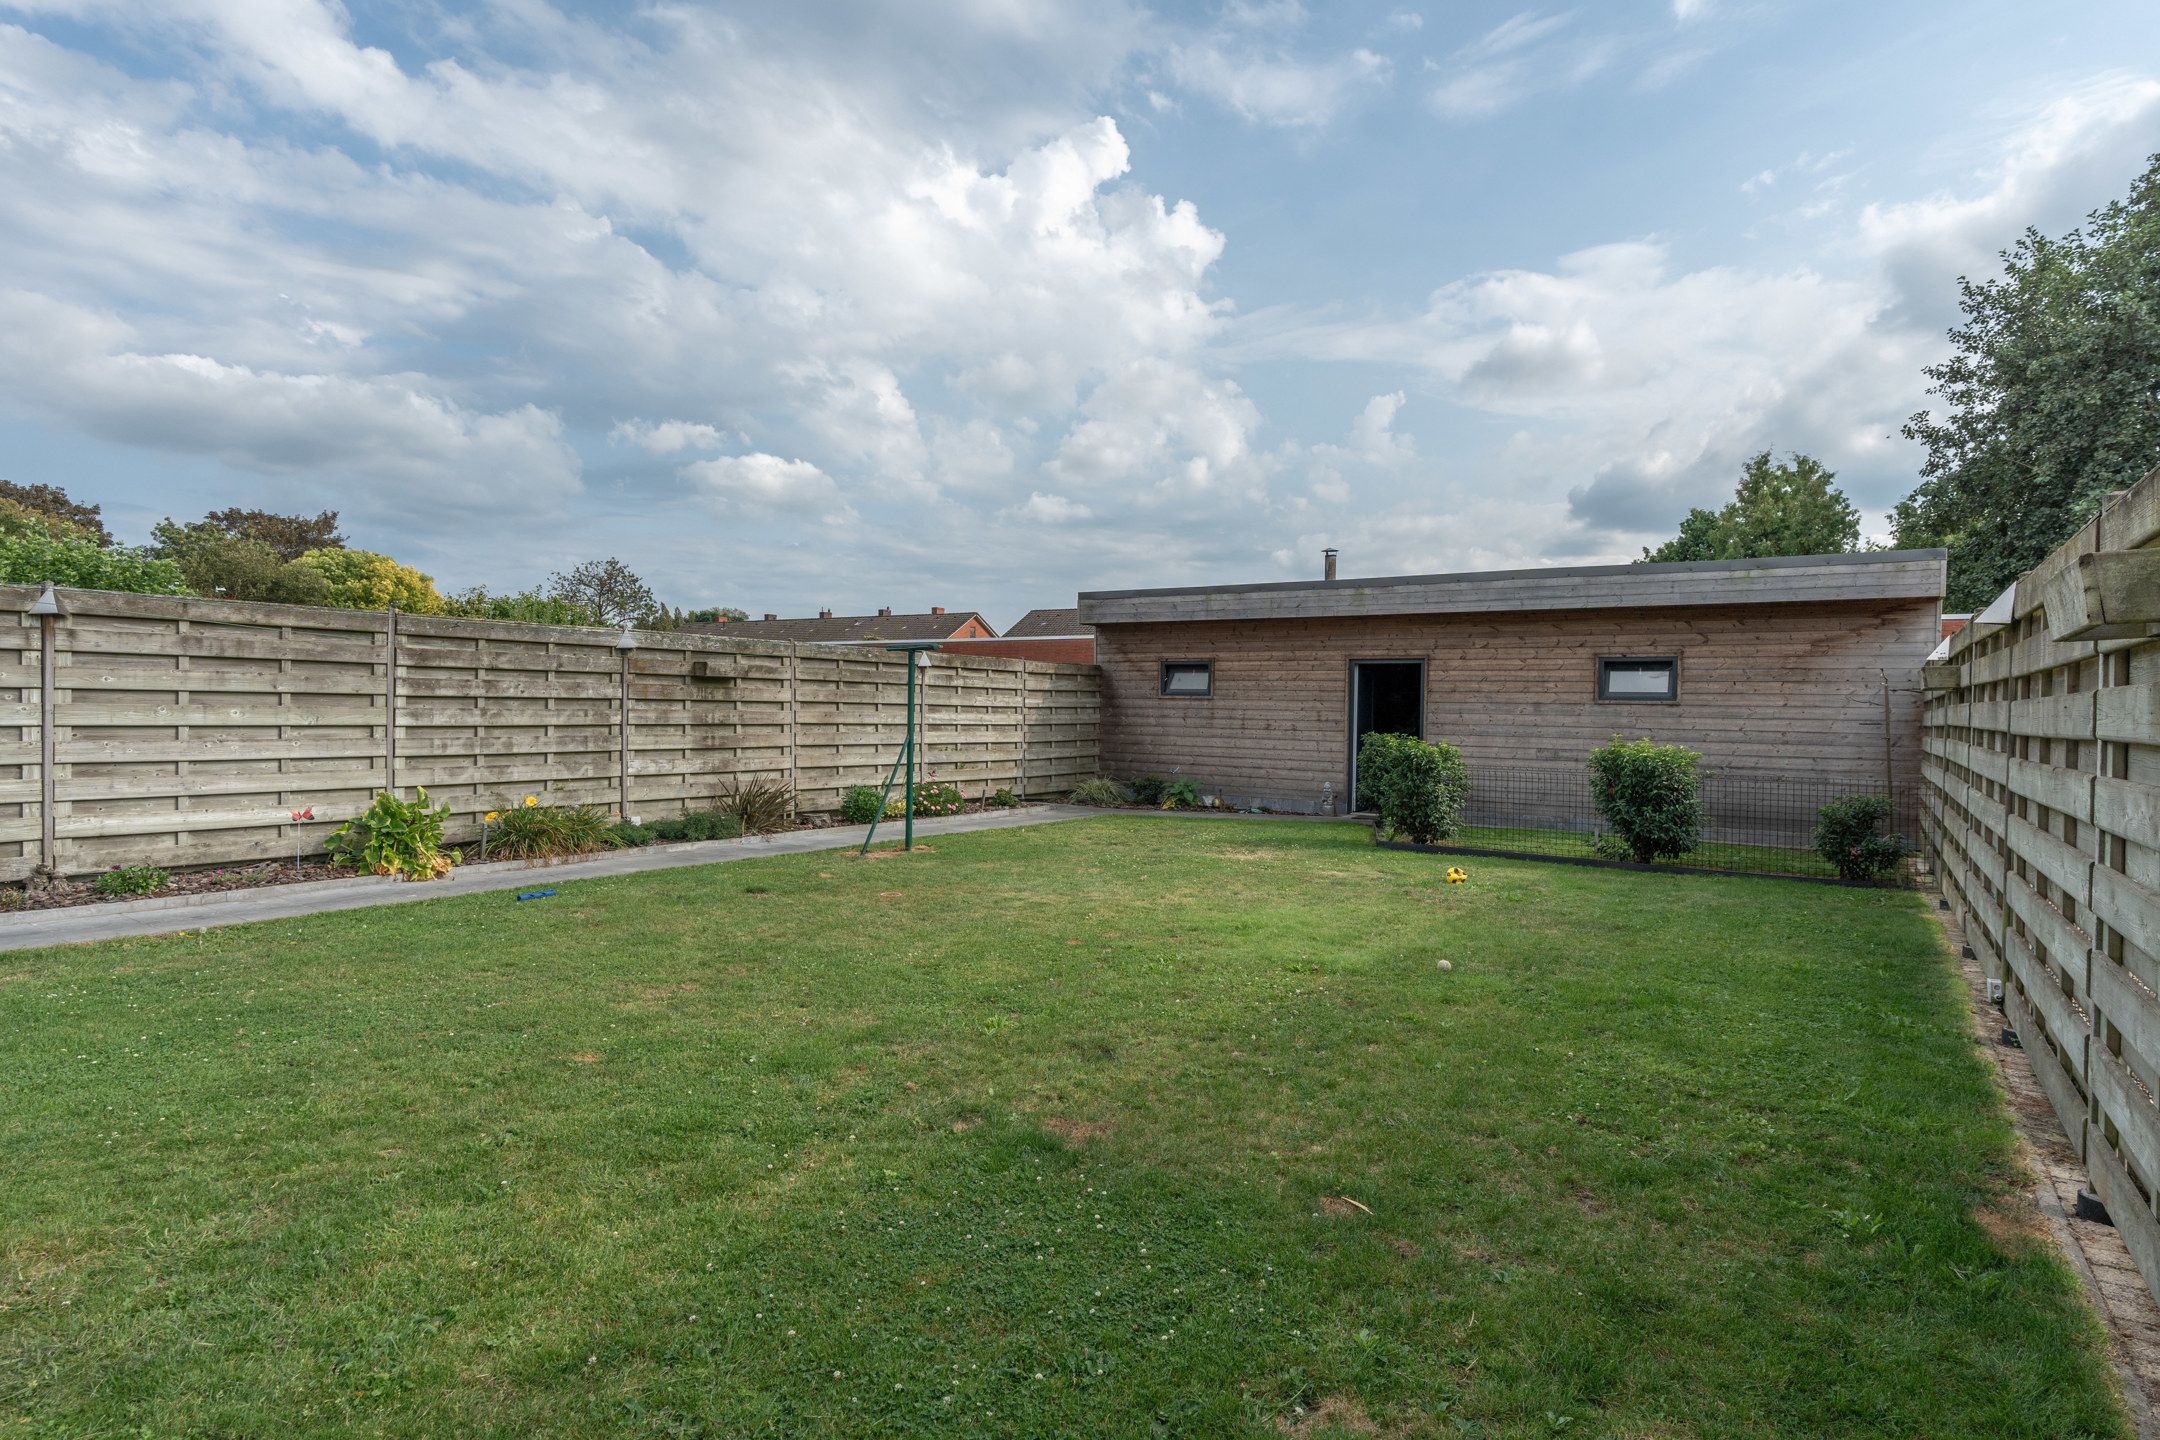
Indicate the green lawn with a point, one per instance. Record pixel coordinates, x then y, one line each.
1710 855
1046 1132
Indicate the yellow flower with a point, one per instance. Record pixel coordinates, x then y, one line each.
532 799
490 816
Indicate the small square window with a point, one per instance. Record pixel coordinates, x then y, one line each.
1188 679
1650 679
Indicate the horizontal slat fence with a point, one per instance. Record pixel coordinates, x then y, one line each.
2041 788
185 731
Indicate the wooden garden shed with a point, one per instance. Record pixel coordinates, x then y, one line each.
1797 666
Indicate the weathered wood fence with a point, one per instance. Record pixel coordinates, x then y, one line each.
2041 786
184 732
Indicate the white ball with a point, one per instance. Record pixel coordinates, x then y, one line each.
1447 965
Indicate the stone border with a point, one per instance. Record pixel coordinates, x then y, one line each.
163 915
2094 1251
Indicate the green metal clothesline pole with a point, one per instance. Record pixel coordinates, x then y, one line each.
908 838
906 758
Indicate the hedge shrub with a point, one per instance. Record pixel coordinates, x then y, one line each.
861 805
1651 796
1417 789
1849 834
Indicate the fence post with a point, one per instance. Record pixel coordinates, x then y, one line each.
1020 766
390 702
624 645
48 747
794 726
1889 749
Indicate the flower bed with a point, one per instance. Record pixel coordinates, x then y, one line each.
63 894
84 890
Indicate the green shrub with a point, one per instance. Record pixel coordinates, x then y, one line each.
1004 798
1098 791
630 837
363 580
860 805
1849 834
1416 789
530 606
698 825
132 880
396 837
1180 794
759 807
1650 795
935 797
33 556
1148 790
547 832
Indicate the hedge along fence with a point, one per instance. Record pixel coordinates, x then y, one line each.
2041 789
185 731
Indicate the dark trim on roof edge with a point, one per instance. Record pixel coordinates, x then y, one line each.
1566 572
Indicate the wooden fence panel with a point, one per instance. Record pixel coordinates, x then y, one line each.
186 731
2041 779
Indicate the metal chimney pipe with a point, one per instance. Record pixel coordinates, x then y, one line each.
1327 563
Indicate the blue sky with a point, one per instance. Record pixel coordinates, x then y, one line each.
985 302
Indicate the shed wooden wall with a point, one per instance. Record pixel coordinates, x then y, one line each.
1768 689
185 731
2042 800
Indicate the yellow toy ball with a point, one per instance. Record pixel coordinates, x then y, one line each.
1456 875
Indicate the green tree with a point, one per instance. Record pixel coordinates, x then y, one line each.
2050 399
1778 509
608 588
32 556
712 613
1697 540
234 568
287 536
53 502
529 606
363 580
221 559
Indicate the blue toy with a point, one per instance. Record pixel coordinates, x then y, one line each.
536 895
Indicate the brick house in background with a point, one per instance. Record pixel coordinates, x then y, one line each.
883 628
1039 635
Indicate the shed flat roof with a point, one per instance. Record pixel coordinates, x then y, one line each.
1786 579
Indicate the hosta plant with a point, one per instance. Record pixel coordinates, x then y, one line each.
402 838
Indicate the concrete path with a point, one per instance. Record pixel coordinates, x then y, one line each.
81 924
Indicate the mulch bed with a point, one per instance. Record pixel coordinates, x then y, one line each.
68 893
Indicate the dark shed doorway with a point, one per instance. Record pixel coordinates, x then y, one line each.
1387 697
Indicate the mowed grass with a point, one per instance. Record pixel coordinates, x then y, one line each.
1710 855
1051 1131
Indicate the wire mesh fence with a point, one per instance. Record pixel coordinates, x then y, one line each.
1752 823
